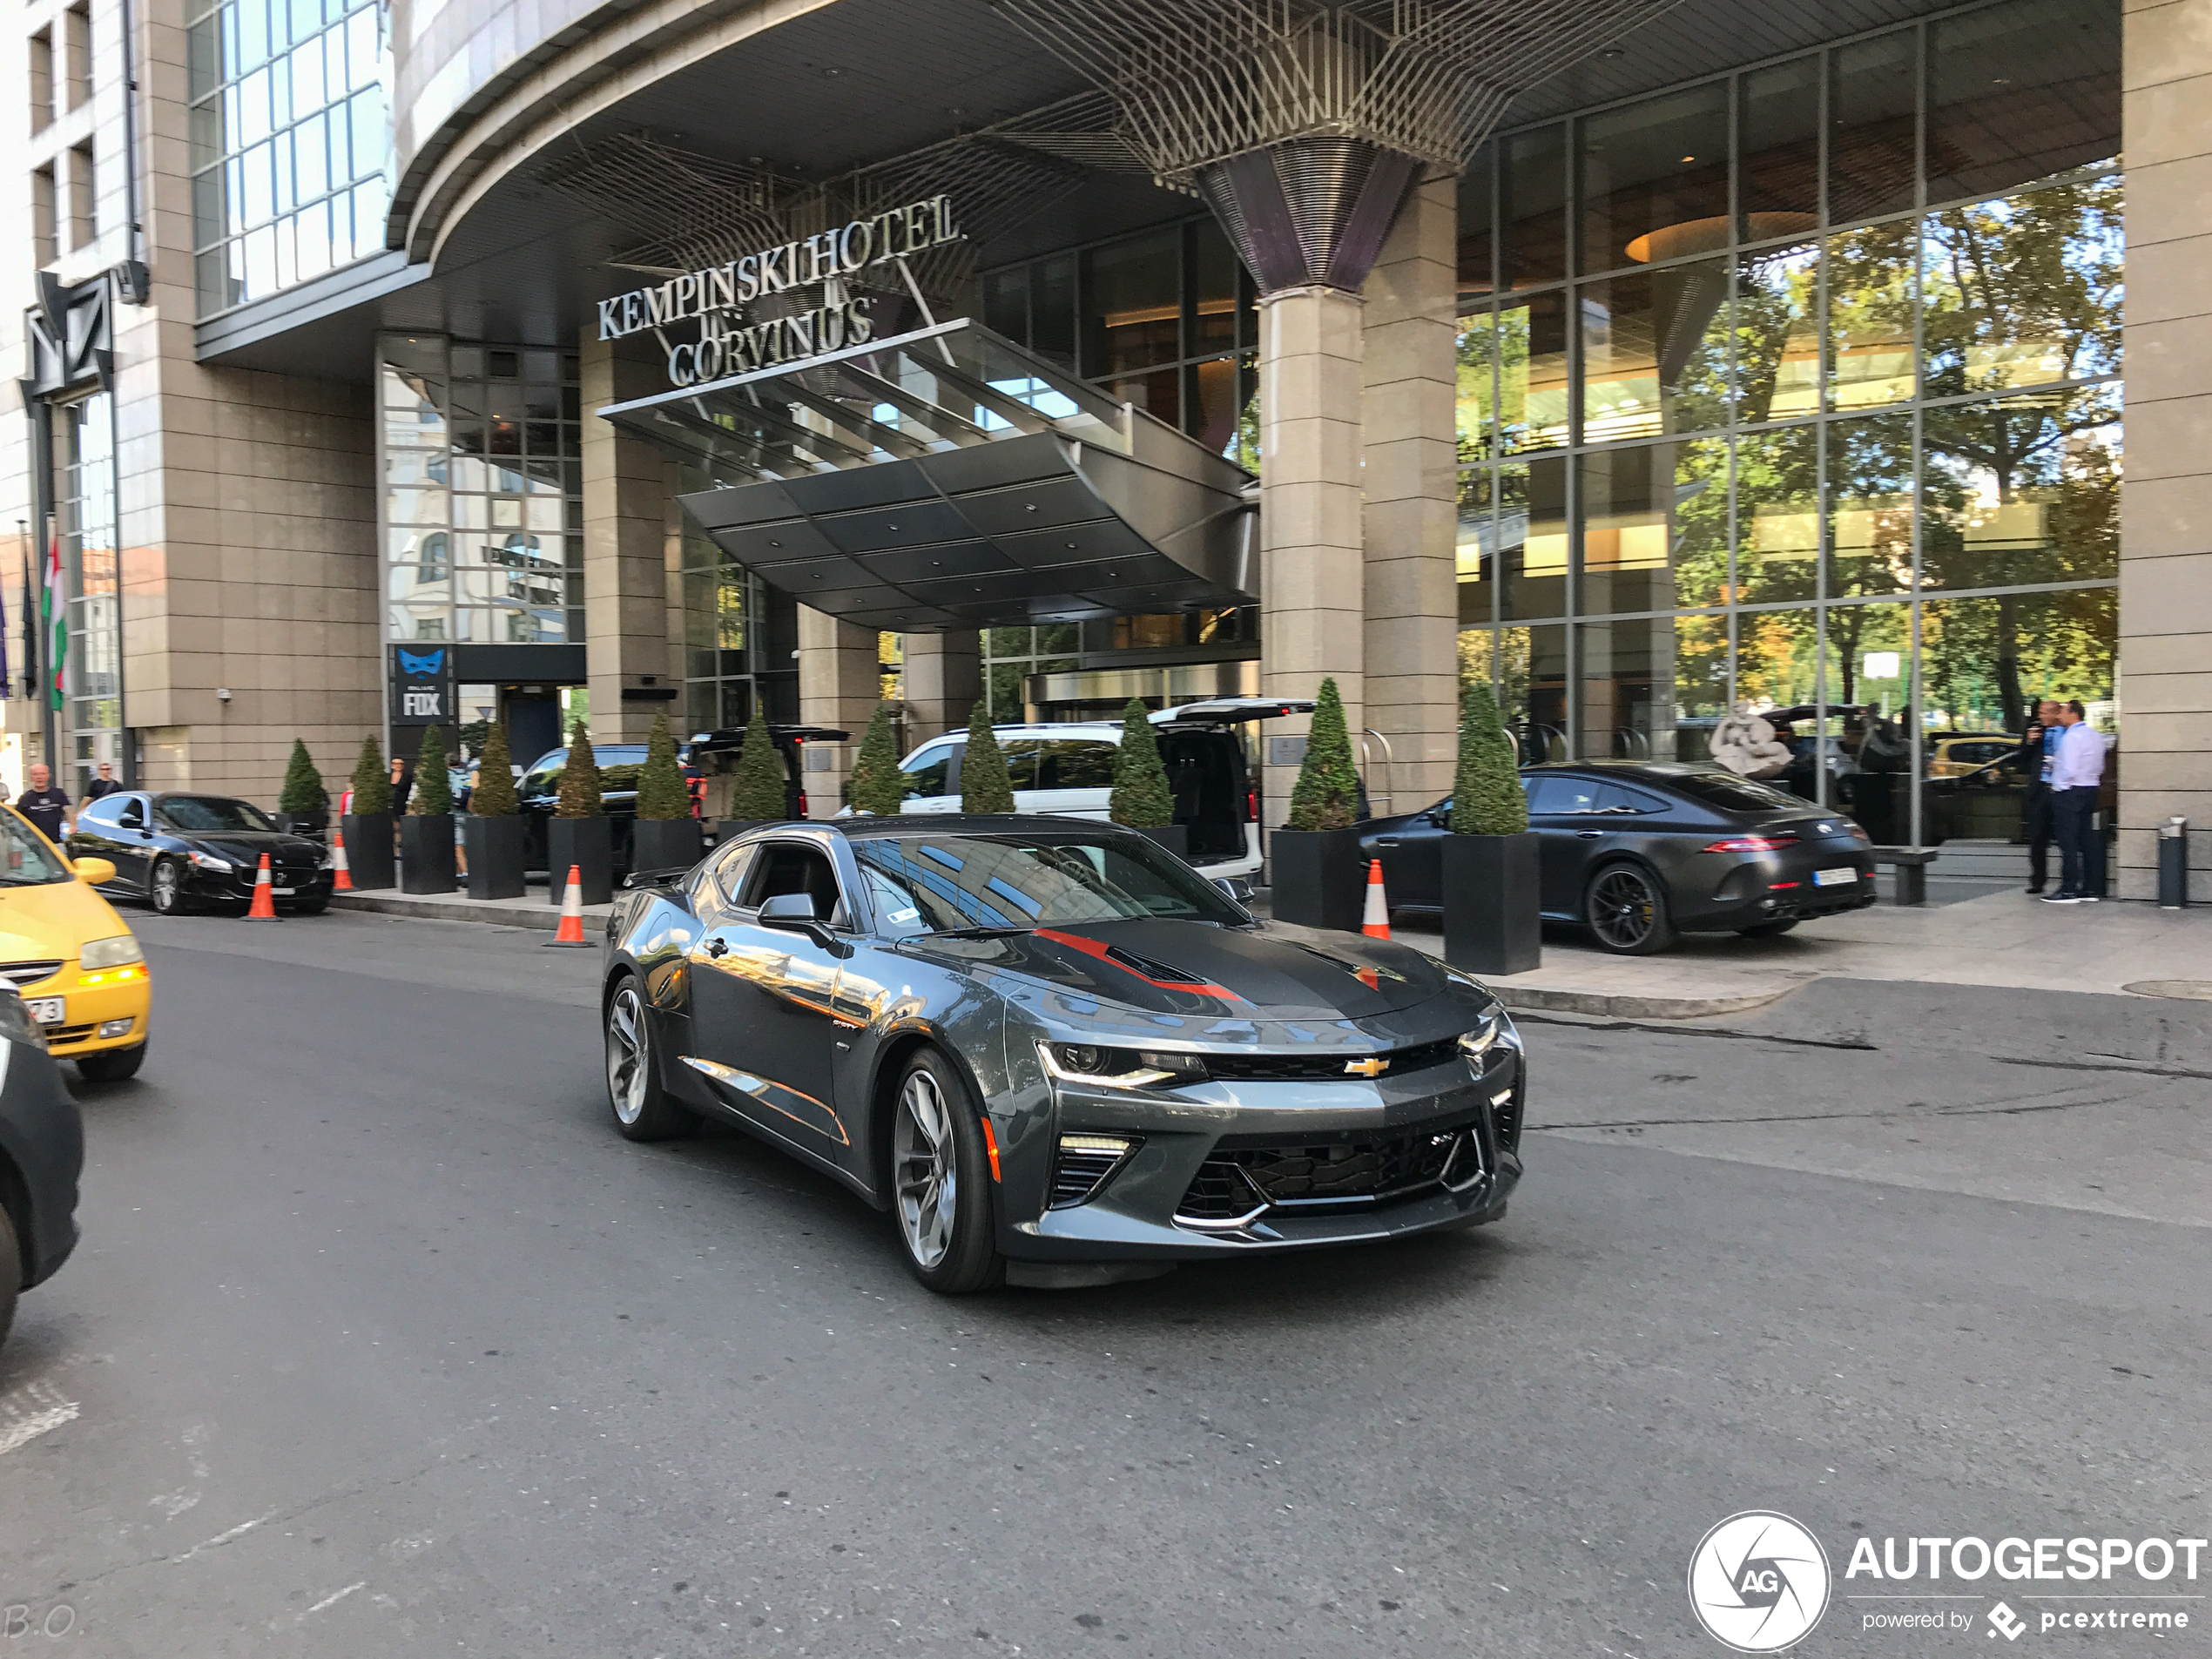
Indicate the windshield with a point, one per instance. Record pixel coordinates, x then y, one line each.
25 860
936 884
212 812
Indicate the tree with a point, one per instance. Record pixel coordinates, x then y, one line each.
1486 796
757 791
1141 798
1326 795
493 795
579 796
661 792
985 785
877 786
372 782
432 796
303 792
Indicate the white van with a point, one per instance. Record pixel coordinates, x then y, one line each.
1068 769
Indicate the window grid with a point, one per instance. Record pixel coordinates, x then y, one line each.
91 716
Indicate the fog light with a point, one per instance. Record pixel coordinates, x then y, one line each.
117 1028
1086 1164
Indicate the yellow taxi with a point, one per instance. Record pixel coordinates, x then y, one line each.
81 974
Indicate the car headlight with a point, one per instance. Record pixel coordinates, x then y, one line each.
1119 1068
211 861
110 953
1476 1043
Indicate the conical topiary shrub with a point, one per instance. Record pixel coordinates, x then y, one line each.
372 782
1487 797
493 795
877 786
1326 795
302 792
757 791
579 796
661 793
985 785
432 796
1142 798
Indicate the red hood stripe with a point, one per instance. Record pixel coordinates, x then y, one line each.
1103 952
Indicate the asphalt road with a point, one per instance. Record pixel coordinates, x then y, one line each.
380 1342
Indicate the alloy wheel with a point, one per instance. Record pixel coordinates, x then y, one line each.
165 888
925 1176
1624 910
629 1056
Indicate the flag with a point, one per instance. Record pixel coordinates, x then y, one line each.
54 612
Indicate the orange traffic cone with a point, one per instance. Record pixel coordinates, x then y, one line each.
343 881
264 905
571 932
1376 922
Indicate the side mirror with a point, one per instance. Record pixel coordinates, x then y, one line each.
793 912
93 872
1236 886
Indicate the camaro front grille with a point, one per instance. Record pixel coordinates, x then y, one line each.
22 974
1353 1170
1316 1068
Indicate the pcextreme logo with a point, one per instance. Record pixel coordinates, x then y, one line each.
1758 1581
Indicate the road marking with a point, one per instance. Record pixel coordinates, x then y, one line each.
222 1538
332 1601
34 1409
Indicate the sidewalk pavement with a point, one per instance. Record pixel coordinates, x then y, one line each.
2003 939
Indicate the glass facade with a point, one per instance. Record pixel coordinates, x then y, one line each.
291 141
482 510
91 715
1800 386
733 624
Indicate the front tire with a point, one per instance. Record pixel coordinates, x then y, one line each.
112 1065
1626 909
165 888
642 1108
940 1197
10 1272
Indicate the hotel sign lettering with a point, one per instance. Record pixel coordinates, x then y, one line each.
716 298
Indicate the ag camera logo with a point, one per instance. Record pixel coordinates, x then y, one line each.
1758 1581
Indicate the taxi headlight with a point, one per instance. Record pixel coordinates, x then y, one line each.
110 953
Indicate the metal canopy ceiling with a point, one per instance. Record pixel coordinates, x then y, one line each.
948 479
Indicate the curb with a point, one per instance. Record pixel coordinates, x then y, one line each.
429 909
1531 1000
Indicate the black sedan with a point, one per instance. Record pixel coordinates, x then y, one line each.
42 1153
1638 851
1055 1054
178 851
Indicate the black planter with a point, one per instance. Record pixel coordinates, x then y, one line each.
1492 920
728 829
587 844
1175 837
369 848
301 823
665 844
495 849
1318 878
426 852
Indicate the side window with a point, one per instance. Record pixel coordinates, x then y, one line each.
98 812
1075 762
1022 757
131 815
722 879
928 773
785 867
1570 795
1547 791
1612 797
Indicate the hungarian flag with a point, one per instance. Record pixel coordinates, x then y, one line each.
53 609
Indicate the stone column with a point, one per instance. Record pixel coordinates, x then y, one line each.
626 490
2166 499
1410 521
944 678
839 688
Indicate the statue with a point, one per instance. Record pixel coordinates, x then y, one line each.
1745 744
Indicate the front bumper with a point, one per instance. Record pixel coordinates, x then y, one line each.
1467 1119
91 1002
210 887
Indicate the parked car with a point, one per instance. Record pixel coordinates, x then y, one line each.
70 960
1052 1052
619 763
42 1154
1638 851
1067 771
1954 755
179 851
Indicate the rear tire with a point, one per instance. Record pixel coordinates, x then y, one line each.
642 1108
1768 929
10 1272
112 1065
940 1180
1626 909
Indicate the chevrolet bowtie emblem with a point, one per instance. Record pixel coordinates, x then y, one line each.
1366 1068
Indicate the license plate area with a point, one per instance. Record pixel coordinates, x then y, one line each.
282 892
46 1010
1835 877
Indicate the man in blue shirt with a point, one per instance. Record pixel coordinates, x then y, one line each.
2077 774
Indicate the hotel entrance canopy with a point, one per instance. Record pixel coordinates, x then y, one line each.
948 479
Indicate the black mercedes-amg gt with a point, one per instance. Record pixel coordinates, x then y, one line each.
1056 1055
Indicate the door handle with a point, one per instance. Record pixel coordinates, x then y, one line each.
1391 842
1589 835
715 946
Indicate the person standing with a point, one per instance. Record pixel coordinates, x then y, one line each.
105 784
2077 770
45 805
2038 751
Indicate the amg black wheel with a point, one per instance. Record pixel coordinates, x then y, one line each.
165 887
112 1065
940 1196
1768 929
1626 909
642 1109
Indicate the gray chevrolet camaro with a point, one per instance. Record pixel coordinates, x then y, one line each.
1054 1052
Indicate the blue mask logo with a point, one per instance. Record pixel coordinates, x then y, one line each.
431 662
